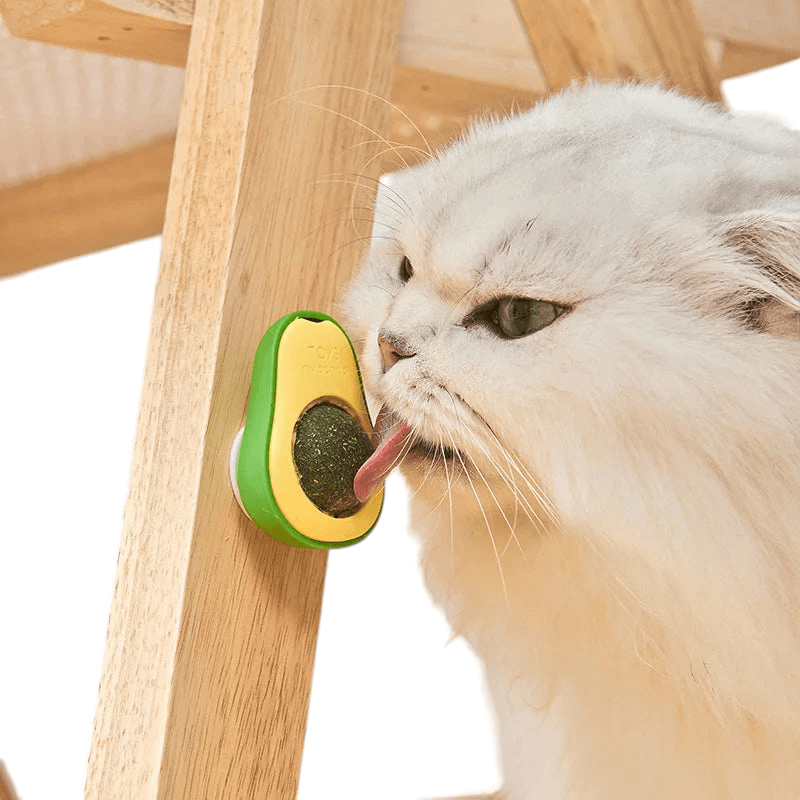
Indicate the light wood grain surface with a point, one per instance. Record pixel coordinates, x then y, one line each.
101 26
76 211
741 59
175 10
123 197
766 23
213 625
468 46
647 39
7 791
441 105
479 40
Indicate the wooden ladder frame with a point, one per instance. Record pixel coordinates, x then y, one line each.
211 640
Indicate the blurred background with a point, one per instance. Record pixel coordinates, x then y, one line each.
397 709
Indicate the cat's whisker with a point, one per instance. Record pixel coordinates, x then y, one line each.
427 475
399 202
372 221
353 179
363 340
488 525
445 496
528 506
463 428
404 451
387 184
530 482
403 145
391 146
372 212
524 503
395 213
383 238
355 121
650 612
356 181
389 195
574 583
341 247
360 177
517 503
350 243
514 464
511 528
322 227
359 90
508 478
440 449
520 502
434 509
385 220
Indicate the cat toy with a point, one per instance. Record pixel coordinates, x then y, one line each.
306 434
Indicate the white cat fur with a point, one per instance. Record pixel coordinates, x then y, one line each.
642 638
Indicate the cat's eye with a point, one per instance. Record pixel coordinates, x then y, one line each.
521 316
406 270
515 317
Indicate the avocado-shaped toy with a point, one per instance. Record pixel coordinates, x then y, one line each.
306 434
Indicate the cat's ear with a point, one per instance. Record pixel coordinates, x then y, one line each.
769 242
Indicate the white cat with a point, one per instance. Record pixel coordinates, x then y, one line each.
587 318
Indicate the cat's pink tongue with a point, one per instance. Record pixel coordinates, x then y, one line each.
390 434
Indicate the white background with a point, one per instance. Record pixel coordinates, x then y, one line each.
397 711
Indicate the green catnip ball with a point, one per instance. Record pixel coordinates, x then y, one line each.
329 448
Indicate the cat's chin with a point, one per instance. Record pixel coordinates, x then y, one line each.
431 452
436 473
433 464
431 482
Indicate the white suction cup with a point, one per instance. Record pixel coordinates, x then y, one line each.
233 466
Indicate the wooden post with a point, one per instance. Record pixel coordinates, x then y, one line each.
7 791
213 625
648 39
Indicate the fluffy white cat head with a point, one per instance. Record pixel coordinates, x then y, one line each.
648 402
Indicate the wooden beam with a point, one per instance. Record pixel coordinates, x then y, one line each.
648 39
774 24
208 664
122 198
158 30
741 59
152 31
80 210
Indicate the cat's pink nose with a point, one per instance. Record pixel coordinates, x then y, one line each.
392 350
